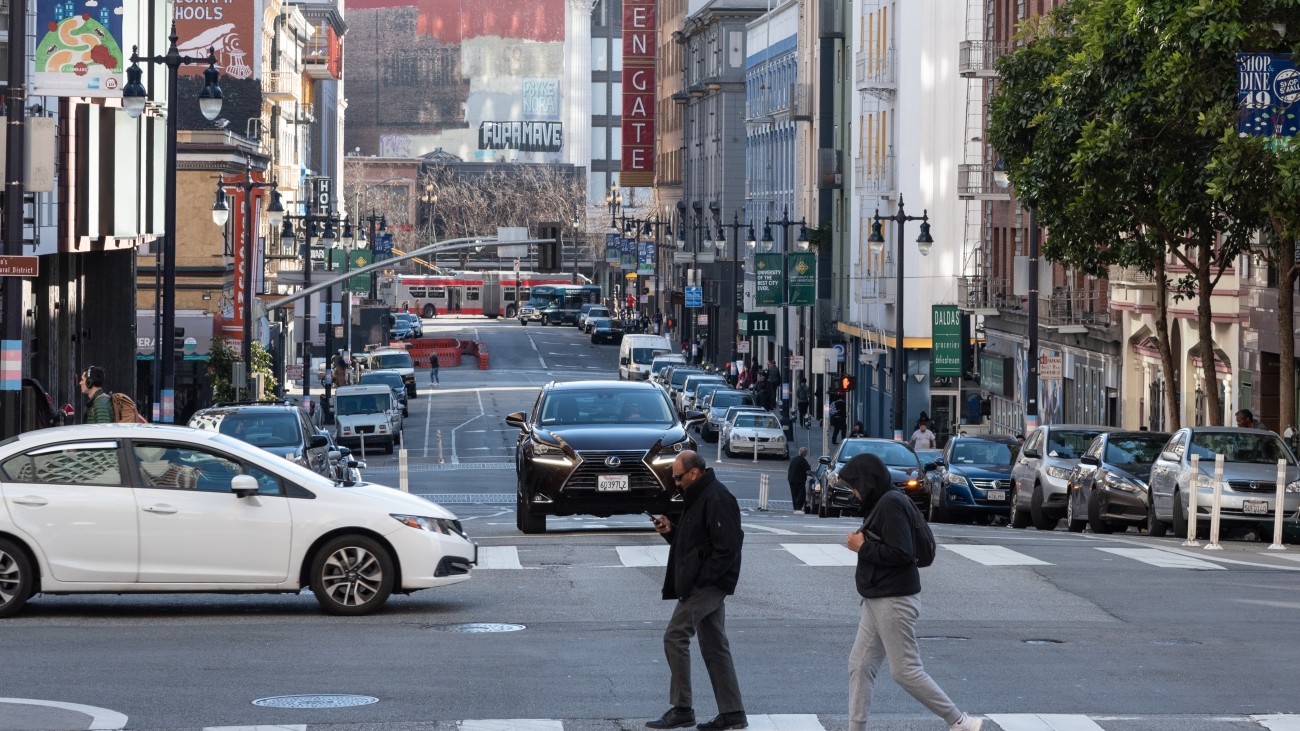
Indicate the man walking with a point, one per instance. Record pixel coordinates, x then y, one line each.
798 477
433 367
839 419
703 567
99 405
888 581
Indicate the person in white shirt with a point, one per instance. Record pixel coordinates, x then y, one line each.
922 438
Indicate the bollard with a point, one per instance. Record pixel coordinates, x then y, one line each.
755 460
719 447
439 439
1278 507
1191 502
762 492
1216 505
403 482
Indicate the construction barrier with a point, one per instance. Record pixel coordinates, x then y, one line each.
482 356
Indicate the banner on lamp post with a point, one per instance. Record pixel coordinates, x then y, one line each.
645 265
769 280
611 249
803 279
945 352
629 254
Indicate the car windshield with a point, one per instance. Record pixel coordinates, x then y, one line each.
891 453
598 322
659 365
1134 450
1240 447
609 407
644 355
361 403
723 399
391 360
1068 443
262 430
680 376
981 453
757 421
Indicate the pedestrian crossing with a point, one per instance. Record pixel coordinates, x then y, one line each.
507 558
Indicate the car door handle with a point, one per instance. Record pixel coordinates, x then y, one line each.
160 509
32 500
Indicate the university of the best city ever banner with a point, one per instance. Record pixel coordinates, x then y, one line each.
638 166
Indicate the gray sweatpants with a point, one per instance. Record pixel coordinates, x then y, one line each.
888 630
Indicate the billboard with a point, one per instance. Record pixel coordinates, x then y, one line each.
1268 88
80 53
637 163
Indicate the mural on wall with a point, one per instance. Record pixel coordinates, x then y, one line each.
228 27
480 79
78 50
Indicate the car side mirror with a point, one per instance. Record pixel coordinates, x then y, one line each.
1088 459
1030 453
243 485
623 361
318 440
1168 456
516 419
824 460
335 455
930 466
693 416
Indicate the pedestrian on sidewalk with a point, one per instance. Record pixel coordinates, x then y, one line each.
798 478
888 581
433 367
99 405
703 567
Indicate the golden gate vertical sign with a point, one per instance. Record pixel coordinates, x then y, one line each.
638 169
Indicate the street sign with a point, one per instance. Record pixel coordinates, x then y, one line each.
796 362
293 372
19 266
1050 368
742 346
823 360
702 319
694 296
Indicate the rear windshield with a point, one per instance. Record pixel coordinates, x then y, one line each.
659 365
361 403
680 376
645 355
262 430
723 399
391 360
1134 450
757 421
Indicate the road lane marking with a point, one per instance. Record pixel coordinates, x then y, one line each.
277 727
769 529
1278 722
996 556
822 554
511 724
498 557
1163 559
642 556
101 719
1044 722
784 722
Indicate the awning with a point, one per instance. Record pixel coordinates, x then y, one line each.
197 325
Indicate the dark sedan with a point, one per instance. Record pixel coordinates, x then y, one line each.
1108 489
974 479
833 496
597 448
605 330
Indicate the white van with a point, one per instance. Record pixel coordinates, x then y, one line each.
368 413
637 352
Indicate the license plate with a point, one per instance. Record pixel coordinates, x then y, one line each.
1254 507
997 495
612 483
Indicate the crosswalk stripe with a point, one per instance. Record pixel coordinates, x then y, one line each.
512 724
498 557
640 556
1278 722
1287 556
785 722
277 727
1163 559
822 554
995 556
1044 722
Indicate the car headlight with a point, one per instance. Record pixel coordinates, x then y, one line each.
547 449
1060 473
1120 483
444 526
1293 486
1204 481
779 439
955 479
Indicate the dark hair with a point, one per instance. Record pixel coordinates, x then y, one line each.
694 461
94 376
1245 414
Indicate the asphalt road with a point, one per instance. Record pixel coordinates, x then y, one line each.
1036 630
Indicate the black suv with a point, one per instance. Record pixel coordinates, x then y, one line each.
597 448
278 427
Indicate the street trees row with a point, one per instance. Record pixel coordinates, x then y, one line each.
1117 121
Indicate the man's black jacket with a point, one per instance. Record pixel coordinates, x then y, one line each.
705 541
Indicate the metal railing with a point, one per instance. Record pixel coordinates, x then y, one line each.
1065 307
978 58
976 182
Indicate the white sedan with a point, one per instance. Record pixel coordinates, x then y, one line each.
750 432
120 508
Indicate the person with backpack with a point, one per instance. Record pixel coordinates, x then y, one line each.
892 543
99 405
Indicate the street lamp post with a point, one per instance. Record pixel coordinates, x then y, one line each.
221 214
785 223
923 243
382 222
288 237
134 98
736 272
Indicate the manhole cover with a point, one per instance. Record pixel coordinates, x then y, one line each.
943 637
477 627
315 701
1044 642
1175 642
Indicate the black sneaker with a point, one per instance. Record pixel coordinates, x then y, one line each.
724 721
674 718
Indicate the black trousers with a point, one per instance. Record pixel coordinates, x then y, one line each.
702 614
798 495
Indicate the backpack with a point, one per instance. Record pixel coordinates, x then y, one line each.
922 537
124 409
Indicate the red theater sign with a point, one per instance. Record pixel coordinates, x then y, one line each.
638 166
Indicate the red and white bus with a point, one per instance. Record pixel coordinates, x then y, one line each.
490 293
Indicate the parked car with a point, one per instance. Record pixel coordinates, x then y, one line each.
398 359
605 330
597 448
932 462
278 427
367 416
126 508
677 378
756 433
1249 479
974 479
715 409
1108 489
685 397
1042 468
729 418
661 362
412 320
834 497
393 379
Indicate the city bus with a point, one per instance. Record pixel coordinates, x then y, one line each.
489 293
558 303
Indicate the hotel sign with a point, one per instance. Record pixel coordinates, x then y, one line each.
637 164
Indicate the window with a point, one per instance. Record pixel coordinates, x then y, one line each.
83 463
182 467
472 294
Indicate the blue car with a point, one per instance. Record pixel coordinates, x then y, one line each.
974 479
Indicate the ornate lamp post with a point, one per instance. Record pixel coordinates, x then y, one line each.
785 223
382 222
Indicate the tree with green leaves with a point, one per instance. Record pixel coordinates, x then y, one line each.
221 359
1110 118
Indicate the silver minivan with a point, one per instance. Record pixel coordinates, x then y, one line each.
1042 472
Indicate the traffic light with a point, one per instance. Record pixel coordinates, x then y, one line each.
548 252
178 342
846 383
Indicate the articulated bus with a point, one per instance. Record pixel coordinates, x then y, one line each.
489 293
